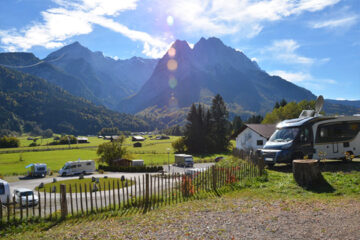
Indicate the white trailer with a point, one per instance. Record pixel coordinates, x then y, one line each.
78 167
184 160
4 191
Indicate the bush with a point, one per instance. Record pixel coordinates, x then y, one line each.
130 169
179 145
33 144
48 133
9 142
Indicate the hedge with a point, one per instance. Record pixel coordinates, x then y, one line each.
130 169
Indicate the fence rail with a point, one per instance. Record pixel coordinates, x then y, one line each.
146 192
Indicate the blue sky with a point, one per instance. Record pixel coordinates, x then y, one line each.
312 43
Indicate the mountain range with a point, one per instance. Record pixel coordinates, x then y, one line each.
28 99
163 89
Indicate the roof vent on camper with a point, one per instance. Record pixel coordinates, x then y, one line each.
314 113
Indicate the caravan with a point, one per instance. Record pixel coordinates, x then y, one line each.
314 136
78 167
4 191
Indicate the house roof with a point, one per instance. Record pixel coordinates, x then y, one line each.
264 130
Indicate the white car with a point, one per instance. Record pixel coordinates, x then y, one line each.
20 197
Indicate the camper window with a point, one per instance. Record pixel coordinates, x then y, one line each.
41 169
259 142
88 163
339 132
73 166
2 188
284 135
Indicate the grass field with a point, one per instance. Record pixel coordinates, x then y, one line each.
104 183
153 152
277 193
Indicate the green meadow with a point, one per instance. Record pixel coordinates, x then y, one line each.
153 152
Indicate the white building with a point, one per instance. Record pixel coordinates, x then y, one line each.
254 136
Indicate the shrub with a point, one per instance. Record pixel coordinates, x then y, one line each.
33 144
9 142
179 145
130 169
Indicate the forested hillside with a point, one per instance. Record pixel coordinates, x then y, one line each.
25 98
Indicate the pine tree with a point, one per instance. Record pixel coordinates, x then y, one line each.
277 105
283 103
219 124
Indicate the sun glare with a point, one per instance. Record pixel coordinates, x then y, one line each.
170 20
172 64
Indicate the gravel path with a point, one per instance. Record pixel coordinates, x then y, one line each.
229 217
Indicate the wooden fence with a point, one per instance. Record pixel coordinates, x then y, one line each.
146 192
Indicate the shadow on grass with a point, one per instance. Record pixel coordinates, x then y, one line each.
325 166
321 186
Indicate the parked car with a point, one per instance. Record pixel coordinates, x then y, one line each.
218 159
20 195
194 171
4 191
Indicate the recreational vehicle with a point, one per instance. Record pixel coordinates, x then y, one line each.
4 191
183 160
37 169
77 167
315 136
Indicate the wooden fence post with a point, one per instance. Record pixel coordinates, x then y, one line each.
214 177
71 200
91 198
114 196
147 190
27 207
39 199
86 199
44 203
8 208
81 201
33 206
1 213
63 201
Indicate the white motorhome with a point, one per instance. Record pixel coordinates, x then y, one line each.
4 191
183 160
78 167
315 136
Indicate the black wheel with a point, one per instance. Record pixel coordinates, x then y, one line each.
270 165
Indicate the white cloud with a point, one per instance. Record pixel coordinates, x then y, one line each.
285 52
244 17
304 79
78 17
336 23
294 77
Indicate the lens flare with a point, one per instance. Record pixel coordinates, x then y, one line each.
170 20
173 102
172 52
172 82
172 65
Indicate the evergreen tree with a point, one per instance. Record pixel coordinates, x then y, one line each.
255 119
237 124
277 105
283 103
219 124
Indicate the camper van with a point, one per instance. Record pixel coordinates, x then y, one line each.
78 167
37 169
4 191
183 160
314 136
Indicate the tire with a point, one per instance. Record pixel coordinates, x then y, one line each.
270 165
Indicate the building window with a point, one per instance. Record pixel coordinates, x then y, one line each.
259 142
